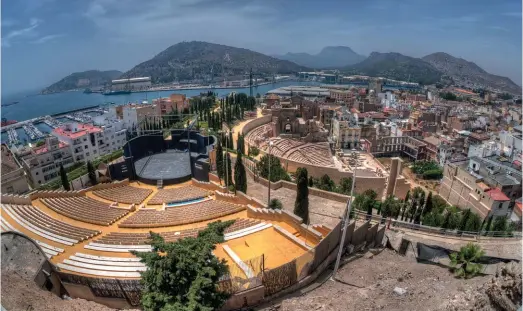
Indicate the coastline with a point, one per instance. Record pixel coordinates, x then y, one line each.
180 88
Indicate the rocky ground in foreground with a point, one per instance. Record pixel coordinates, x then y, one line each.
388 281
21 295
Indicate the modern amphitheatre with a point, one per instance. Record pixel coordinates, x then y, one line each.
79 241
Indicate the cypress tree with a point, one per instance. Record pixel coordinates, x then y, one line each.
219 160
428 205
489 223
446 221
301 205
240 144
65 180
229 169
91 173
464 219
240 176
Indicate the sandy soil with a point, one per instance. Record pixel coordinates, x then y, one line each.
21 295
369 283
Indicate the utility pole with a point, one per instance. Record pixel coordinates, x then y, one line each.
269 188
345 225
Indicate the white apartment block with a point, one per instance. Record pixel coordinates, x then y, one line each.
89 142
42 163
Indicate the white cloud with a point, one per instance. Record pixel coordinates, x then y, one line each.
28 31
47 38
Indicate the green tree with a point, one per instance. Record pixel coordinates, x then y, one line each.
439 204
275 204
241 143
389 207
301 205
454 220
311 182
464 263
500 224
91 173
345 185
228 169
63 177
464 219
231 141
183 275
473 223
365 201
240 176
253 151
219 161
276 170
489 223
428 205
326 183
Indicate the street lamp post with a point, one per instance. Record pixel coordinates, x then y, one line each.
269 188
226 161
345 225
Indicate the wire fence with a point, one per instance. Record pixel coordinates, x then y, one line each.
361 216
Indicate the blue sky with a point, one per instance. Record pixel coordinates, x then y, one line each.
45 40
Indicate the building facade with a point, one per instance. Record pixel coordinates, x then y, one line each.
487 187
13 177
42 163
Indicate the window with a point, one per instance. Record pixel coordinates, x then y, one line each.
500 204
86 147
95 151
36 173
85 139
87 154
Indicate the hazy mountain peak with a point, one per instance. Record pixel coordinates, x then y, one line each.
328 57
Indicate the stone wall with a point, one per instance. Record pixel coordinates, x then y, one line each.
15 199
402 186
284 216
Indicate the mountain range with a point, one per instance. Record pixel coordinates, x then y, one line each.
205 61
83 80
328 57
199 60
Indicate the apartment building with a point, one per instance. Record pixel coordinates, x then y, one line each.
13 177
345 132
88 142
487 186
42 163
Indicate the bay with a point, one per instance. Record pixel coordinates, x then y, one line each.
33 106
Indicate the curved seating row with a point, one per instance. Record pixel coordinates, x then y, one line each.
174 216
49 250
123 238
103 266
41 224
124 194
86 209
175 195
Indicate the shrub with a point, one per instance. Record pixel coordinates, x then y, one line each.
464 263
433 174
275 204
253 151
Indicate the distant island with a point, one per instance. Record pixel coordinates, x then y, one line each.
204 63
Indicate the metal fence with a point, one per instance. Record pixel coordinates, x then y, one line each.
361 216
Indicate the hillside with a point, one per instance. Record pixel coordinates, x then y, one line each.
396 66
329 57
469 74
196 60
82 80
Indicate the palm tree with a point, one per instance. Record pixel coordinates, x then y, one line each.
464 263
